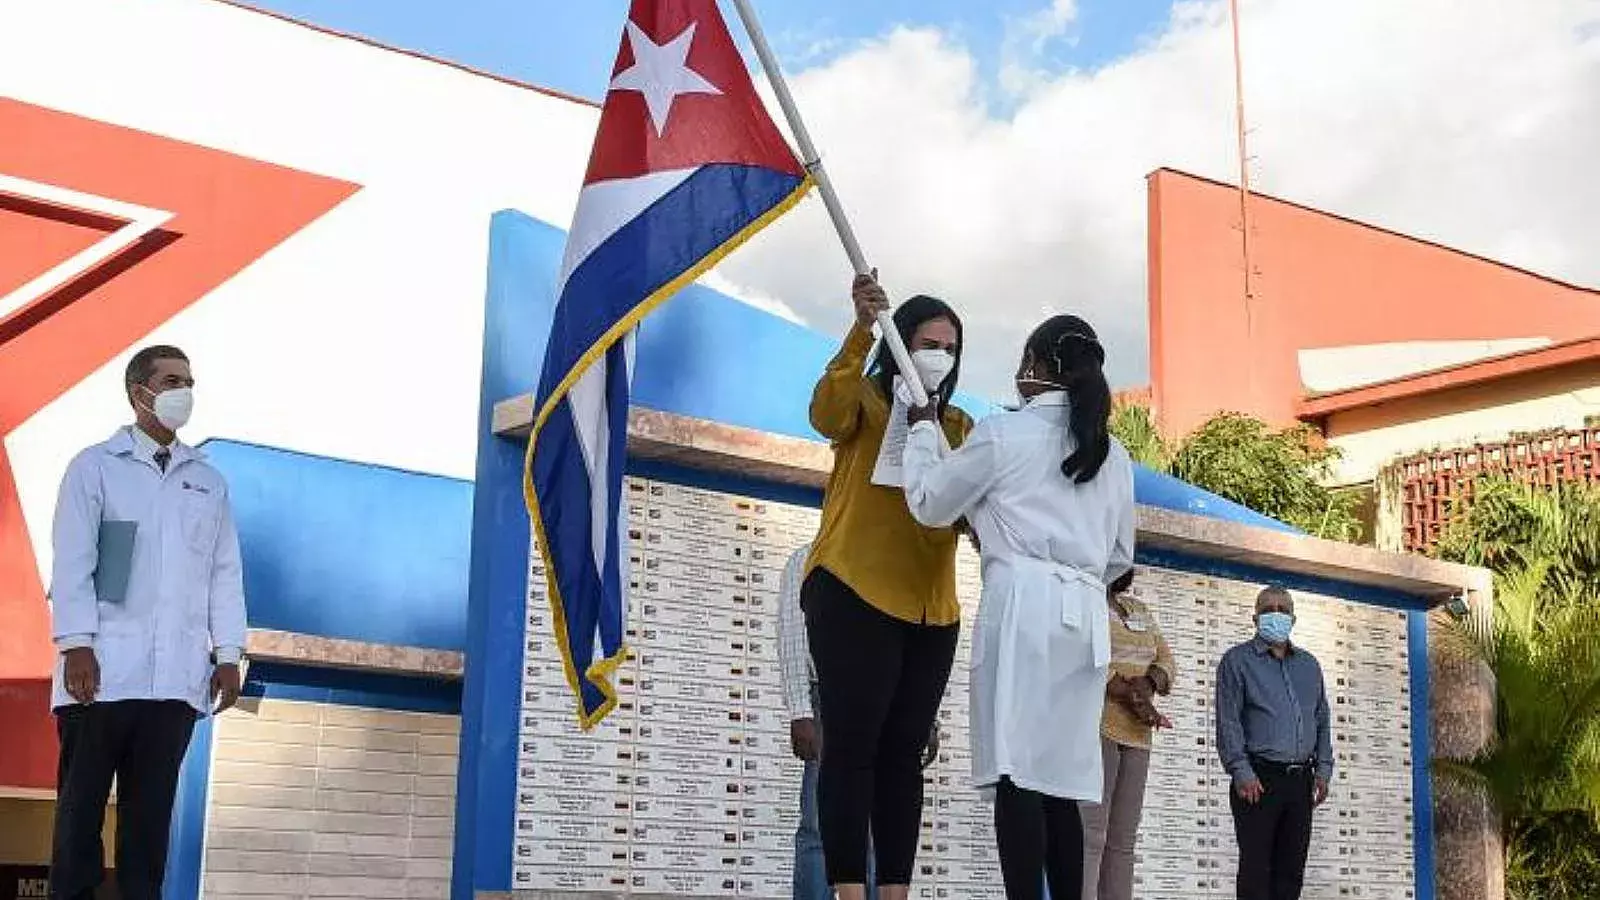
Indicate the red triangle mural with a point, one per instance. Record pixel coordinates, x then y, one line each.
227 212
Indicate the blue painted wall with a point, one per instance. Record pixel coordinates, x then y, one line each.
186 839
1166 492
516 318
342 550
338 687
348 550
1421 754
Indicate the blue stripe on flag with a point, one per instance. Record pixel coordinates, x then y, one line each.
677 237
562 482
591 602
613 599
693 220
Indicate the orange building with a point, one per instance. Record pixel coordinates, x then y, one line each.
1392 345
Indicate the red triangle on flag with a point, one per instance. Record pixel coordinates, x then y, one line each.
678 71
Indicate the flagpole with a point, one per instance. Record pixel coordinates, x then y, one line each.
1244 192
830 198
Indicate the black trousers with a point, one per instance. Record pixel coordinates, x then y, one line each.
1040 839
1275 834
141 743
881 682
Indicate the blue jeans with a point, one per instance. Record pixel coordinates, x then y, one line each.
810 870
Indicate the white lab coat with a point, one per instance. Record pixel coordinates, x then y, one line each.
185 595
1041 644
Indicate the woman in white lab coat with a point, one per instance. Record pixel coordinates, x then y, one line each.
1049 496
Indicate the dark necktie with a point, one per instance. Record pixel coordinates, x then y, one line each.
162 457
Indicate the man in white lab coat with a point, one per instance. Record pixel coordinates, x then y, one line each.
147 602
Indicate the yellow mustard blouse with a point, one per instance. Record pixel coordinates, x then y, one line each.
868 539
1136 644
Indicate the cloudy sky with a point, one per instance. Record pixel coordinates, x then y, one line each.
994 153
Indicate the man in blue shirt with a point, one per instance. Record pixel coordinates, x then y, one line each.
1274 739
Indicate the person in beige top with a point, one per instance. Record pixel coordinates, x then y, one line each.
1141 668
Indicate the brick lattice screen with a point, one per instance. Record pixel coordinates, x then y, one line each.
1431 480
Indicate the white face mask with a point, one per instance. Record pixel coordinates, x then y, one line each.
1040 382
172 408
1028 379
933 366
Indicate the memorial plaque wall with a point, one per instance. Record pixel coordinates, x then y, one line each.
688 787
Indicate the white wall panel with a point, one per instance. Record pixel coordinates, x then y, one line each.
316 801
688 788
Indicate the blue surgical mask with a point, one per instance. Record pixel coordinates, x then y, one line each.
1274 627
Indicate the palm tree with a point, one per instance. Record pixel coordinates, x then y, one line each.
1542 770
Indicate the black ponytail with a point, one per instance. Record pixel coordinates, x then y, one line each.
1065 350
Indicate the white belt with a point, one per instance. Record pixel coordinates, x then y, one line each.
1073 613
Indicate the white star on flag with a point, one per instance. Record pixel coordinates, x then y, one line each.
661 73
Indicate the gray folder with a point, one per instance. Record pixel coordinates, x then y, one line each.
114 560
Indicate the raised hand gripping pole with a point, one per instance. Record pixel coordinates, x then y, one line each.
813 163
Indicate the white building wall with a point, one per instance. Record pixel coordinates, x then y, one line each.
360 336
1368 450
1324 369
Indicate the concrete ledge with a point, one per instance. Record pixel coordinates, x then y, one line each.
265 645
1299 554
512 418
698 444
716 447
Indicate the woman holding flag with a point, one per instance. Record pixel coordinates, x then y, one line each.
1049 494
880 594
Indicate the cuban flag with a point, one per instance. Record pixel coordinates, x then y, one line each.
686 166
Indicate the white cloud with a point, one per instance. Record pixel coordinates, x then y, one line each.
809 44
716 280
1044 25
1027 41
1475 123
